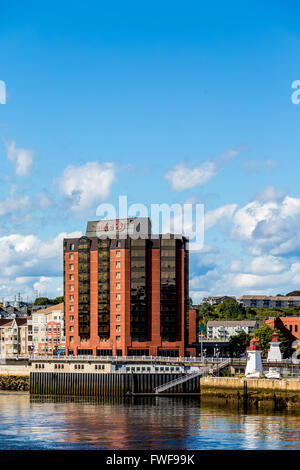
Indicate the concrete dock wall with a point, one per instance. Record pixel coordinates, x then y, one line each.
259 393
111 384
282 385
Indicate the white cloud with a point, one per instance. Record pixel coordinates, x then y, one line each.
222 281
12 204
26 260
270 223
43 286
260 165
267 265
22 158
181 177
214 216
87 185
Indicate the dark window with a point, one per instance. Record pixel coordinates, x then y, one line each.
138 352
104 352
138 290
84 288
168 352
168 290
103 288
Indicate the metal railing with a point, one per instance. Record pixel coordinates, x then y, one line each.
189 376
180 380
144 359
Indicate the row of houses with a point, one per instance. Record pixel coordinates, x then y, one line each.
258 301
40 333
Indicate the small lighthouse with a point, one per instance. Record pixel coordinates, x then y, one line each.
254 368
274 355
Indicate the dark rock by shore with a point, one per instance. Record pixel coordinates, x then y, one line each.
14 382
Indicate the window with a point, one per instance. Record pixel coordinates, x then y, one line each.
71 297
118 328
291 327
71 288
71 328
72 246
71 277
118 285
71 256
71 308
118 264
71 267
118 296
71 318
118 318
118 275
296 328
118 339
118 254
71 339
118 307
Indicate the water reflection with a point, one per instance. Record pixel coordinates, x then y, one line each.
144 423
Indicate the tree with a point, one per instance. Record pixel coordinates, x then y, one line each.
41 301
205 312
264 335
230 309
46 301
239 343
294 293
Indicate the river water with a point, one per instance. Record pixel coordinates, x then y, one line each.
148 423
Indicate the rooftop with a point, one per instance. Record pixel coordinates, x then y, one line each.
270 297
232 323
50 309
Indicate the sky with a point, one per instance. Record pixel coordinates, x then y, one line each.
164 102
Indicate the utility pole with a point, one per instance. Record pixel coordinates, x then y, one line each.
201 343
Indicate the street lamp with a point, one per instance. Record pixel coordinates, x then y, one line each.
201 344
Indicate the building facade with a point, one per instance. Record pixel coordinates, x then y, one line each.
15 336
126 290
223 330
48 330
263 301
289 326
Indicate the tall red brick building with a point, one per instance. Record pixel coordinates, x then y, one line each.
126 291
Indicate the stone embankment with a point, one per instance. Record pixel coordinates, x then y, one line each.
14 382
257 393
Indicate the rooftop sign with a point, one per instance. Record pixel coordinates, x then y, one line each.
135 227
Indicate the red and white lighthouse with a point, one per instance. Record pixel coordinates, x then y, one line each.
254 368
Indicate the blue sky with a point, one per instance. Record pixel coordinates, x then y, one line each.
128 98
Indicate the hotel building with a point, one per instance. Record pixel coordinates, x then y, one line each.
126 291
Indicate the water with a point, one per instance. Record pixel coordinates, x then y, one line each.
149 423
